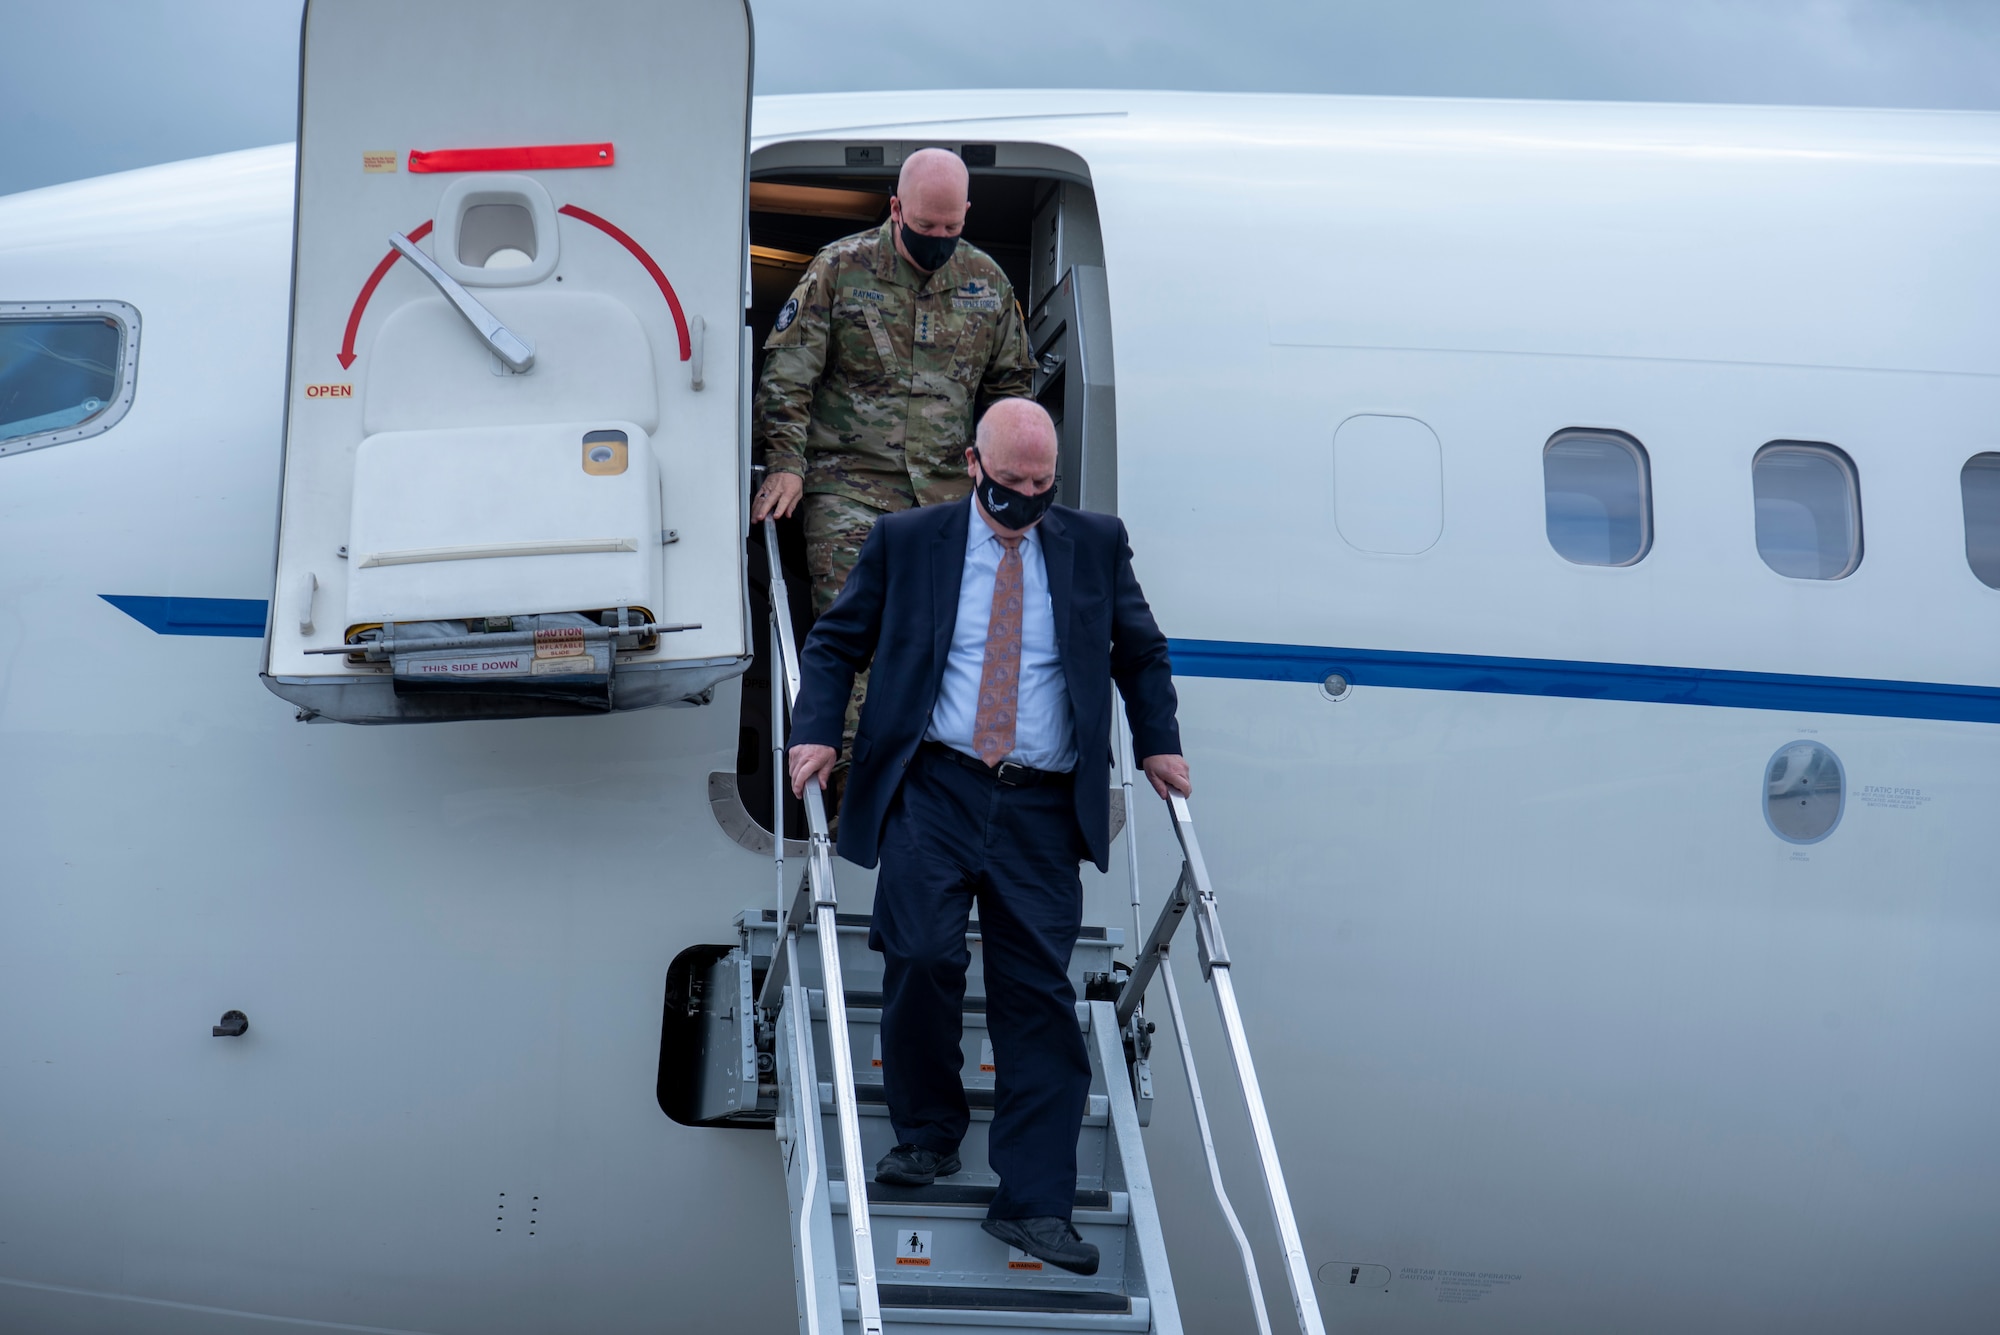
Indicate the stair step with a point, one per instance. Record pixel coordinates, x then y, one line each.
863 920
908 1306
864 1008
1002 1299
969 1200
872 1102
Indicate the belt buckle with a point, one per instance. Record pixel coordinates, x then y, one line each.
1010 773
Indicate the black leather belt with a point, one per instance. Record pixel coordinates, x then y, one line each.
1006 772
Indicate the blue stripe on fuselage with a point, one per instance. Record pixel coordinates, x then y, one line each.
1245 661
1587 681
194 616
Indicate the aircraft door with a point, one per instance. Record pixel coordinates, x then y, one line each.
1069 333
515 446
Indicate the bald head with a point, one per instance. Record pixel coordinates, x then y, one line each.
1017 435
929 205
933 179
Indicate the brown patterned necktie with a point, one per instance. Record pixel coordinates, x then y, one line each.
1000 674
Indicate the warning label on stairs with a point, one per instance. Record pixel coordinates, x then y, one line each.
913 1247
1020 1260
986 1055
876 1059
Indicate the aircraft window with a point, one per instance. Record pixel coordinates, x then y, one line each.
1804 789
1598 490
66 370
1388 484
1979 489
1808 510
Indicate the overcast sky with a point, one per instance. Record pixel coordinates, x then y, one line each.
92 86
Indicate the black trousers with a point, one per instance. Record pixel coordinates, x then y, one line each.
955 837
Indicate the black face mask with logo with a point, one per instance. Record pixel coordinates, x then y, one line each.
930 252
1010 508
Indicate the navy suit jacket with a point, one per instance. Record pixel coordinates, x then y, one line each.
895 618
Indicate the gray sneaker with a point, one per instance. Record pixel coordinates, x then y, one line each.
1049 1239
914 1166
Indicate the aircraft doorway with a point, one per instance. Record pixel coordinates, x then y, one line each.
1032 211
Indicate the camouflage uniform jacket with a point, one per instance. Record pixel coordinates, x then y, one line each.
876 372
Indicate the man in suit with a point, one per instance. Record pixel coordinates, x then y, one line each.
995 629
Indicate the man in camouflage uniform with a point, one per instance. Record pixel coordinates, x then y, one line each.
879 366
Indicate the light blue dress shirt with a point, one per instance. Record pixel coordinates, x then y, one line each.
1044 735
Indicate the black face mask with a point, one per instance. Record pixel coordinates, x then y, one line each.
930 252
1010 508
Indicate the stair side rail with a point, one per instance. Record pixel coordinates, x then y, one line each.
1135 1028
1195 891
818 890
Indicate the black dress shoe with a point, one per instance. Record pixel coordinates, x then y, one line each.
1049 1239
914 1166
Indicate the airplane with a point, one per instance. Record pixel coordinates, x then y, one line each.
1578 527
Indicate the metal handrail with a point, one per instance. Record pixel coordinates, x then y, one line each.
1251 1279
825 903
1195 891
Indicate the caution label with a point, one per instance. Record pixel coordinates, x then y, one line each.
378 160
913 1247
1020 1260
876 1060
329 391
559 642
986 1055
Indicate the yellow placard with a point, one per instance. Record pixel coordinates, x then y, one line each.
379 161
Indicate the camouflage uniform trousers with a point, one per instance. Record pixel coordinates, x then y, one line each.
836 526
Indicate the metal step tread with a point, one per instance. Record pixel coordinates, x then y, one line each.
1000 1299
870 1101
969 1200
1084 933
1134 1314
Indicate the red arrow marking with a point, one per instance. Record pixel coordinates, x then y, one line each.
617 234
417 233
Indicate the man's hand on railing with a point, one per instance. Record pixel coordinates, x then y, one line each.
777 497
1166 773
807 761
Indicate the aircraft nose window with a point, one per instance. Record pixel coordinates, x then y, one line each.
1979 489
496 236
1808 510
1804 788
1600 506
62 375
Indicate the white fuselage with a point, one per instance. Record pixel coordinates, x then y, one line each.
1554 1028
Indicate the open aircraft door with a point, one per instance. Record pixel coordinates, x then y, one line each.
515 442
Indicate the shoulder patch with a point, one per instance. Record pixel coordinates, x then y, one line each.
786 316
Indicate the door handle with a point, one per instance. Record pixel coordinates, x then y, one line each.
508 346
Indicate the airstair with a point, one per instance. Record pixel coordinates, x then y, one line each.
798 1005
